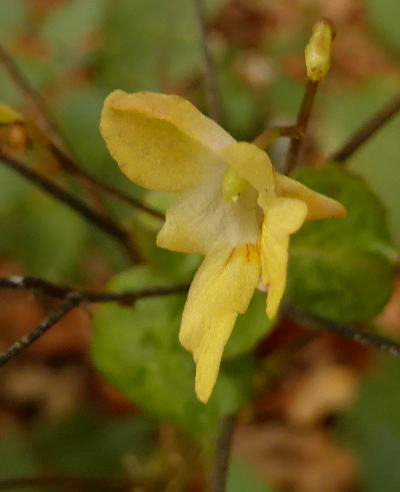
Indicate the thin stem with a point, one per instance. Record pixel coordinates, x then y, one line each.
271 134
61 291
222 454
378 342
210 79
301 125
369 129
70 303
106 224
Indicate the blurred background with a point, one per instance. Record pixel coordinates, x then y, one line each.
331 420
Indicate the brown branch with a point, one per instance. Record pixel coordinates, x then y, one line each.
301 125
56 143
369 129
378 342
106 224
72 298
210 79
222 454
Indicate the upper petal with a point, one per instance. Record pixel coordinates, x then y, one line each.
161 142
222 288
283 217
319 206
252 163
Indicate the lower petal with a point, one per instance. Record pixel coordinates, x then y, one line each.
222 288
284 217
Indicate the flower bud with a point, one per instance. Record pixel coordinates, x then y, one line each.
318 50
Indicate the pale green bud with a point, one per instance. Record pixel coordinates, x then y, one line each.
318 50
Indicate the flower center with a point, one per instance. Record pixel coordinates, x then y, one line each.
233 185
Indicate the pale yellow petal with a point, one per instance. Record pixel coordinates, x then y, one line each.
319 206
284 217
222 288
161 142
209 353
8 114
201 218
252 163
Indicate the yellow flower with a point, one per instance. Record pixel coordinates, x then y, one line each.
235 209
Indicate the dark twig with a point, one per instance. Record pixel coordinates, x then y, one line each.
106 224
72 167
369 129
210 79
347 331
61 291
71 302
71 299
222 454
69 483
302 123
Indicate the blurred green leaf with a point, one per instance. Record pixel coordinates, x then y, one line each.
372 428
377 160
45 235
13 17
242 477
141 51
86 444
250 327
137 349
342 268
243 112
16 460
383 16
68 27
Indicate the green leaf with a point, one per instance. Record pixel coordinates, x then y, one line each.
250 327
86 444
343 112
55 234
141 49
68 27
137 349
13 17
342 268
383 16
372 428
242 477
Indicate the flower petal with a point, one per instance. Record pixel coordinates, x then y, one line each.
252 163
202 218
319 206
284 217
161 142
222 288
